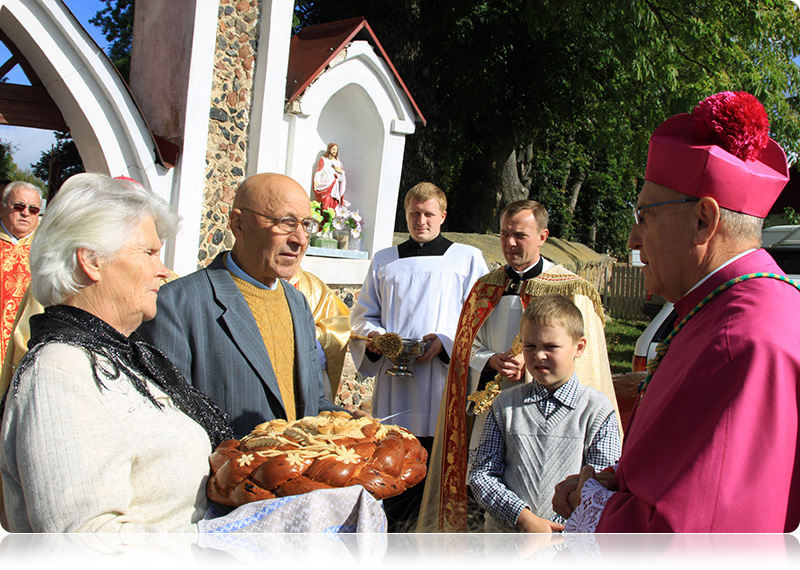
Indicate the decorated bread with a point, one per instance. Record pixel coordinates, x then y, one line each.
281 458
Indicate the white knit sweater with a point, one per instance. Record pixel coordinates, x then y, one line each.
78 457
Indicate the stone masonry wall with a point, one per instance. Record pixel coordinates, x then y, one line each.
229 117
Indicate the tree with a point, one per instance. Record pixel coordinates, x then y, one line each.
58 163
10 171
116 23
556 99
7 165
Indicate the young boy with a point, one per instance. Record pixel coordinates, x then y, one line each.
538 433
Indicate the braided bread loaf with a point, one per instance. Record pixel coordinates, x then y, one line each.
332 449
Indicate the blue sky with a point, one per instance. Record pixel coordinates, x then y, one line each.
84 10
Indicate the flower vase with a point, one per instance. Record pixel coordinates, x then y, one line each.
354 244
342 238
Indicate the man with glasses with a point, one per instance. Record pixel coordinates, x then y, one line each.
237 329
712 445
20 216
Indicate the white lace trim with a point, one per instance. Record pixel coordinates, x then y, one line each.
593 500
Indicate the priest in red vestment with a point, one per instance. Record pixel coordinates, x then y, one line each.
21 204
713 443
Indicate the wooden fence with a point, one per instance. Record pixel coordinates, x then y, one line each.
624 293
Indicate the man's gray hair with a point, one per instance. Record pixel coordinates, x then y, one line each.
742 227
91 211
11 186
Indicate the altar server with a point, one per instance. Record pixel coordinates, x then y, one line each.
416 290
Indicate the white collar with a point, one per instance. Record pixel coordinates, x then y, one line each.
707 277
522 273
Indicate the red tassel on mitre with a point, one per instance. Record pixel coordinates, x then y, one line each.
736 121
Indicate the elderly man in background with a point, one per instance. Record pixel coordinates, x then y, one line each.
237 330
20 215
484 351
713 443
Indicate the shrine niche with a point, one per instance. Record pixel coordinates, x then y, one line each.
342 88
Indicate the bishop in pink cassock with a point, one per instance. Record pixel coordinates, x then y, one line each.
713 443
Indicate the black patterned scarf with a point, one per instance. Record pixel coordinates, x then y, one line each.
111 354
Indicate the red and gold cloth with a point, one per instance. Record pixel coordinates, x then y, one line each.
444 504
15 275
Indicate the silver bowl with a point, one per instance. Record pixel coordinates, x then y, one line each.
413 348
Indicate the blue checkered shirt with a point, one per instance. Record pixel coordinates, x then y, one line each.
488 459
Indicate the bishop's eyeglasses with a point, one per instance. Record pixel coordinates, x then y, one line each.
21 207
637 210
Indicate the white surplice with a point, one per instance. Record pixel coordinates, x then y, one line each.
413 297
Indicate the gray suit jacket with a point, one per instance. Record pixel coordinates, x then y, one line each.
205 326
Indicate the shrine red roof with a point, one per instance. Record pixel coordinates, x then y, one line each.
313 48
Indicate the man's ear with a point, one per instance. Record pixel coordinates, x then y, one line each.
543 235
235 221
90 264
705 220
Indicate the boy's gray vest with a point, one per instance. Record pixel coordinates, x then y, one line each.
541 453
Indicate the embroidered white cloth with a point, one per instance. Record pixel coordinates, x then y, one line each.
593 500
330 511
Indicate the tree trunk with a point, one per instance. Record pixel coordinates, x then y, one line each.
489 180
512 188
576 190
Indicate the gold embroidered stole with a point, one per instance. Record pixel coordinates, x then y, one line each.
480 303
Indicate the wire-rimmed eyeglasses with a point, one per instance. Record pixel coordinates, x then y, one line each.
290 223
637 210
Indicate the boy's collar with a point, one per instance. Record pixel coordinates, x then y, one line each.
567 394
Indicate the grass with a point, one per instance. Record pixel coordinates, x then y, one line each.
621 336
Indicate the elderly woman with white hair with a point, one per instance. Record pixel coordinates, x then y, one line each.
100 431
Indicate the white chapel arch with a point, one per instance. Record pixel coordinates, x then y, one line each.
111 135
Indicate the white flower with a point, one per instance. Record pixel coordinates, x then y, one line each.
347 219
245 459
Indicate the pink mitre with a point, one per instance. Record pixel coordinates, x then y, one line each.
722 150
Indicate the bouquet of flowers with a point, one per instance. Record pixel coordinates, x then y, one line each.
347 219
325 217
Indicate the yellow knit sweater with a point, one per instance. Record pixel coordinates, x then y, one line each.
271 311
